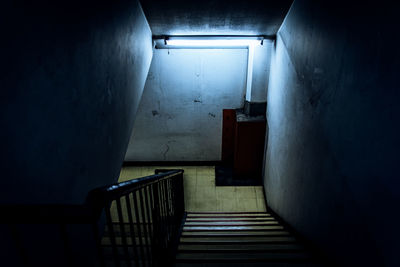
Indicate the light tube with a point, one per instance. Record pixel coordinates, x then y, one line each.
211 42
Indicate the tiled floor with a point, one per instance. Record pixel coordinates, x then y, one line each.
201 194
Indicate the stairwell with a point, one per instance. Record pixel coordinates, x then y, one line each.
234 236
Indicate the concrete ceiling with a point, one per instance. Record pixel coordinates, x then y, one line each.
215 17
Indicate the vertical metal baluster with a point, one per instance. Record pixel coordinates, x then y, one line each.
148 211
181 200
122 230
132 229
168 191
112 236
146 234
152 224
151 205
173 207
163 214
166 212
178 198
173 218
174 193
163 225
135 206
156 226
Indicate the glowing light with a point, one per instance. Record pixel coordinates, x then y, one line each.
212 42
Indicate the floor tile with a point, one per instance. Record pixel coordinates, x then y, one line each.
205 180
259 192
245 192
226 192
201 194
247 204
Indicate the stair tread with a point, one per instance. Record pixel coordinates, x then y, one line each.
238 247
236 233
240 239
240 223
228 216
229 219
230 228
263 256
222 212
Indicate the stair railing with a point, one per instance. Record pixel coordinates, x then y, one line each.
133 223
147 212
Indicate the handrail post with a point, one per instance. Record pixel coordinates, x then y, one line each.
158 250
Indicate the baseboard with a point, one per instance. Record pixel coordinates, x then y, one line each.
170 163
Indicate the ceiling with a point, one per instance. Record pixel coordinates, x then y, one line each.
215 17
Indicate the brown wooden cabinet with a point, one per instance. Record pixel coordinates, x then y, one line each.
243 144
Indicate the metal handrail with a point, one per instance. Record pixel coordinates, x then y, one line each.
113 191
145 213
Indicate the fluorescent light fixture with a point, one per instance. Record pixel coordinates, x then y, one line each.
209 41
212 42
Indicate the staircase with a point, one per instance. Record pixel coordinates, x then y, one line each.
238 239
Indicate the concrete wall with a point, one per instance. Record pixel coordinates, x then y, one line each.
332 158
72 75
260 72
180 115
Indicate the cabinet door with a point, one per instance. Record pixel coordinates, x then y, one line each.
249 149
228 136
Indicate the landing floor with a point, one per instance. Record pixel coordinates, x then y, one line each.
201 194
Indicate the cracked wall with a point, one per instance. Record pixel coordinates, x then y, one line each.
180 114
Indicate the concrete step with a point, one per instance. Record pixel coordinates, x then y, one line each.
234 233
229 223
243 257
228 215
240 239
239 247
233 228
229 219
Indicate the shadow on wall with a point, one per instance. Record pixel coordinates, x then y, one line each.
73 74
331 163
